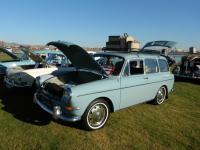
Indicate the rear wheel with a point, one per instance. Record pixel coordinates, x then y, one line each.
96 115
160 96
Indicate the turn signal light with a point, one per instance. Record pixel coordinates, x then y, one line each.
71 108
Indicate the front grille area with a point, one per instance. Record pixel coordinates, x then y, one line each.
44 95
45 100
54 89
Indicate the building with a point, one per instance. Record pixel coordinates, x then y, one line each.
2 43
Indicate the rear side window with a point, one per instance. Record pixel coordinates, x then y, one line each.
163 65
151 66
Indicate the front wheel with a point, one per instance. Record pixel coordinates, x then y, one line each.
96 115
160 96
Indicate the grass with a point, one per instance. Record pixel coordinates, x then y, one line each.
5 57
172 125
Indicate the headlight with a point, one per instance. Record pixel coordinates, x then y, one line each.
67 99
67 93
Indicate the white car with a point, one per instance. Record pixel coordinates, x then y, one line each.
91 52
17 77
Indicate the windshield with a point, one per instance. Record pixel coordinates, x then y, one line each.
22 55
110 63
57 60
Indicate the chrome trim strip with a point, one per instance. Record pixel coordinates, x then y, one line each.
147 83
123 88
70 119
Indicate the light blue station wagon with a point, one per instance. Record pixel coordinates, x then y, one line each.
94 87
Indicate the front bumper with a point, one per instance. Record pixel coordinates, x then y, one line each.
54 112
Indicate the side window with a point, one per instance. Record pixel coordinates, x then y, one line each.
163 65
151 66
136 67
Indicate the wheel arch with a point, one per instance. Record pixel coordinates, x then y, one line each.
166 90
108 101
84 117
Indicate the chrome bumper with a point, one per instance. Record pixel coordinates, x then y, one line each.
54 113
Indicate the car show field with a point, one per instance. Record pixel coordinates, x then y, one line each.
173 125
100 75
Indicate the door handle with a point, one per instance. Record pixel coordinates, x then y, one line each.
146 78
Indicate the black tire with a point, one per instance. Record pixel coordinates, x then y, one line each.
96 115
160 96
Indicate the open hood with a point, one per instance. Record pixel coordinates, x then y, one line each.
29 54
168 44
8 53
34 57
78 56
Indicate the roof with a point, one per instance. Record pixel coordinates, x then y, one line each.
129 55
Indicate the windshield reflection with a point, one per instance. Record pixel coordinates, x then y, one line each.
110 63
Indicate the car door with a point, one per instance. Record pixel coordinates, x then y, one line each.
134 87
154 77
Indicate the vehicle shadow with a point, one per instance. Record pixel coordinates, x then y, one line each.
194 81
76 125
21 106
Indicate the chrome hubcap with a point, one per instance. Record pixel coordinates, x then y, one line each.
97 115
161 95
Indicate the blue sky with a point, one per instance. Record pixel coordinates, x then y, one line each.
89 22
